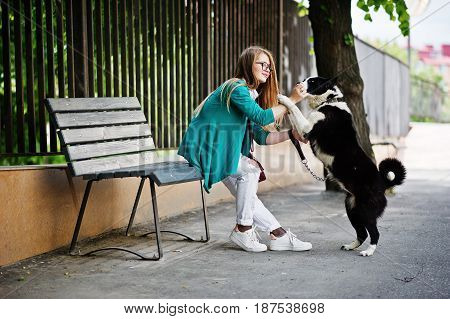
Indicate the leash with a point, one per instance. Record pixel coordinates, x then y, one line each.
262 175
302 156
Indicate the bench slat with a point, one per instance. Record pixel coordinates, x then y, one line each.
85 151
176 174
67 120
94 166
92 104
142 170
93 134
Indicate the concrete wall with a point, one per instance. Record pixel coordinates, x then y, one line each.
39 205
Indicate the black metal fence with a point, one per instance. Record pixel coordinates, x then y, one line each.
169 54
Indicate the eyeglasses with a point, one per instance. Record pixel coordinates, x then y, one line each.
265 66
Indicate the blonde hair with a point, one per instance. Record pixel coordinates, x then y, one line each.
268 91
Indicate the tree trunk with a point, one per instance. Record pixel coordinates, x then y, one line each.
331 21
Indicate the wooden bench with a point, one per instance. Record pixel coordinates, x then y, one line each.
105 138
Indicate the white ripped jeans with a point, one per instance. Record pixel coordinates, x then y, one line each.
249 208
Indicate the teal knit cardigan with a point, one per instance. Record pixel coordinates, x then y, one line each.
216 137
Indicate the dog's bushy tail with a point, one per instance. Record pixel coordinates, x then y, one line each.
392 172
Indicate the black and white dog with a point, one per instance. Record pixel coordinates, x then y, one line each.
330 130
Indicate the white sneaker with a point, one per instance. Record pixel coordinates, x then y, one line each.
247 240
289 242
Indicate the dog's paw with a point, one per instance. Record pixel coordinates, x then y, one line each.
365 253
283 99
369 251
351 246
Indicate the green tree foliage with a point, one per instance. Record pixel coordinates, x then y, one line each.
396 9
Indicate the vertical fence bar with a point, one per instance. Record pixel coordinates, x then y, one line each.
268 19
137 49
212 36
50 67
178 89
20 120
183 69
200 44
249 22
244 24
280 43
260 22
99 46
216 54
164 118
128 39
108 70
255 22
229 47
60 48
153 66
80 49
30 79
206 49
252 22
220 35
239 26
189 30
123 47
7 112
262 27
171 101
41 77
235 39
254 14
69 41
273 38
158 130
195 60
145 57
90 47
230 37
225 33
115 36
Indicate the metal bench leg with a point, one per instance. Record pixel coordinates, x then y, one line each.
205 217
156 219
135 206
80 217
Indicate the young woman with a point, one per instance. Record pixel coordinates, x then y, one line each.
217 144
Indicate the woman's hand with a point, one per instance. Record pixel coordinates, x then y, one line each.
279 111
298 93
299 137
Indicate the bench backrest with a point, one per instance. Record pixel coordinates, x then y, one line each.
102 134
